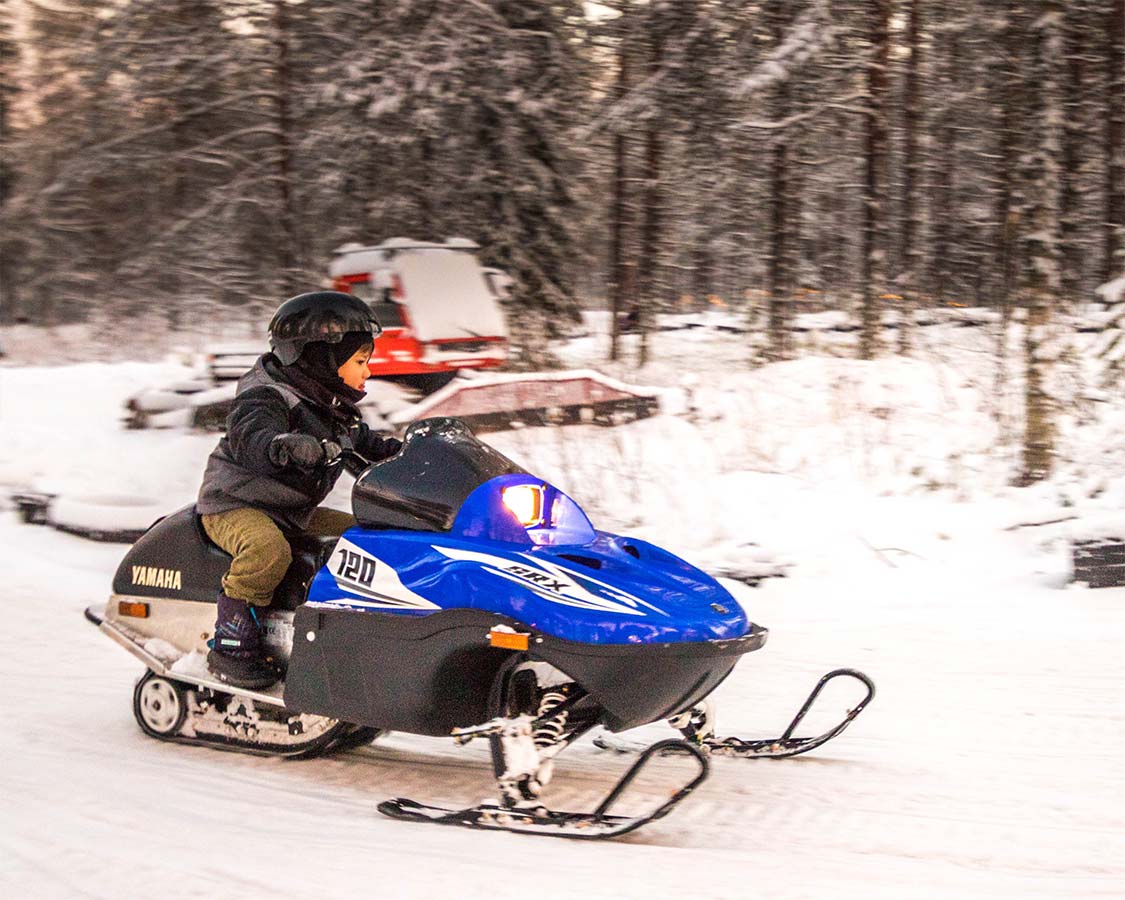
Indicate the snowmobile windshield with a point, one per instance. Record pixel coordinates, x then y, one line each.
520 509
425 484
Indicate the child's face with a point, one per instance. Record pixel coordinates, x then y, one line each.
354 373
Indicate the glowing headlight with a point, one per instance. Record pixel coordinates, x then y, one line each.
526 503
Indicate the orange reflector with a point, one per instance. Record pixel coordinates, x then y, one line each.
136 610
508 640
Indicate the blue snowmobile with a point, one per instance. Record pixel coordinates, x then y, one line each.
472 599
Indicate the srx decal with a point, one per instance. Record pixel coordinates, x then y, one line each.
540 579
556 583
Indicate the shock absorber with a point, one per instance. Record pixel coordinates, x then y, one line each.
550 731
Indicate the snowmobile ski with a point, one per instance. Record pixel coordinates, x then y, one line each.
537 819
697 728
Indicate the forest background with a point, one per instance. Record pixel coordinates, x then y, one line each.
201 159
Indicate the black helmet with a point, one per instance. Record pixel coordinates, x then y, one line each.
318 316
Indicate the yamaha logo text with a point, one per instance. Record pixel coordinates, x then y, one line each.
150 576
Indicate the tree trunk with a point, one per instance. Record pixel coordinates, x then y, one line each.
288 255
1114 231
651 280
9 276
1005 98
1042 279
946 173
779 284
875 140
1073 136
911 209
702 270
621 265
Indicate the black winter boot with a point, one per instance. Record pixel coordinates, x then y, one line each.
236 656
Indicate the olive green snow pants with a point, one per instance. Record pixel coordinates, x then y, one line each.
261 553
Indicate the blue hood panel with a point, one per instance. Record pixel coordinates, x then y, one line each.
612 590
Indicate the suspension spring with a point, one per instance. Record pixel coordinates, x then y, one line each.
550 731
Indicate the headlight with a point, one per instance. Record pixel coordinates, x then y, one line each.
526 503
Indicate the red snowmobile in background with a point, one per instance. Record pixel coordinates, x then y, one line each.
439 308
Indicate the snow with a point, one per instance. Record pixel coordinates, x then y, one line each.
99 512
1113 291
989 764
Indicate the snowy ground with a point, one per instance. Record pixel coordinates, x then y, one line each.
989 765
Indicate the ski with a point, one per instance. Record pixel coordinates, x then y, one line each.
537 819
696 729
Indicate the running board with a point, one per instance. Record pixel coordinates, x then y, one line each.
195 677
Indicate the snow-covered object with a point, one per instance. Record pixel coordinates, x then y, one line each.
1113 292
167 653
447 296
1110 348
444 285
1095 526
230 360
554 394
102 515
439 308
175 396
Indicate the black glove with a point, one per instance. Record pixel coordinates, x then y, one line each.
331 450
391 446
302 449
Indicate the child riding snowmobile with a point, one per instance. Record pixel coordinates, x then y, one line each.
293 413
471 599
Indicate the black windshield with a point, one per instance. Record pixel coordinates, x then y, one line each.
422 487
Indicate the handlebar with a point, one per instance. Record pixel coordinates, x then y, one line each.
351 460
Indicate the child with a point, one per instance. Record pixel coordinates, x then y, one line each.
294 411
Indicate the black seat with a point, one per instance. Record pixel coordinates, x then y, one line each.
176 559
310 553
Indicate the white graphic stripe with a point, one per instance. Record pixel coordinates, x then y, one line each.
565 584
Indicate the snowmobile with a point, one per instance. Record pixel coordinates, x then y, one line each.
471 599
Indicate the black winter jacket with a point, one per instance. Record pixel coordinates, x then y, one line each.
240 473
